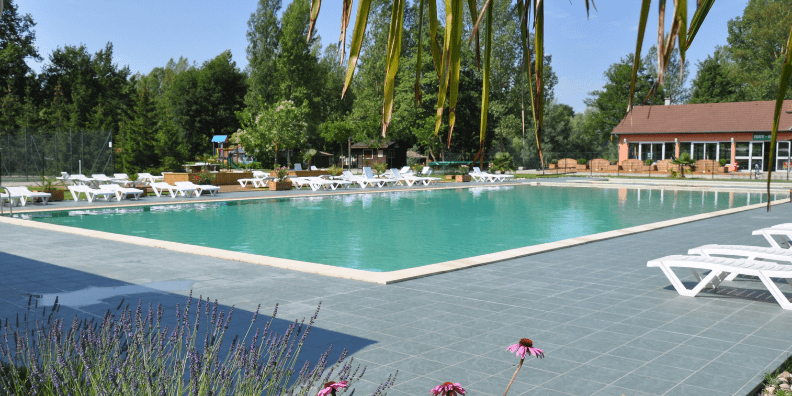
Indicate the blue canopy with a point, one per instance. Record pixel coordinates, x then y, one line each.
219 138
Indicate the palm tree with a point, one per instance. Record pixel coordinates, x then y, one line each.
682 160
446 56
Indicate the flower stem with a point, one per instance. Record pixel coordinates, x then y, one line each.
514 376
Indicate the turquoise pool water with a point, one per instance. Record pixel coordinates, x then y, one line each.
397 230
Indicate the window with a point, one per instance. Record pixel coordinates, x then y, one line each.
632 151
368 154
391 153
741 149
698 151
783 156
725 151
379 153
711 151
684 147
670 151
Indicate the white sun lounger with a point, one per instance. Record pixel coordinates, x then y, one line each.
102 178
297 166
368 179
720 268
24 193
148 177
184 191
201 188
478 175
426 174
11 198
784 230
743 251
91 194
123 192
258 180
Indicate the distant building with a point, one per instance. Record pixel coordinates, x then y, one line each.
391 153
738 132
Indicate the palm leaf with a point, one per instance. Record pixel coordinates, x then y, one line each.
315 5
392 61
637 56
486 78
346 13
454 65
445 65
538 92
437 56
472 8
660 37
786 73
698 18
418 94
357 41
681 16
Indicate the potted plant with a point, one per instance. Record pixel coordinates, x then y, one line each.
723 169
204 177
335 171
683 160
378 168
502 162
282 182
48 185
463 175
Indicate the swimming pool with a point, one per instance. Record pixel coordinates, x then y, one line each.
397 230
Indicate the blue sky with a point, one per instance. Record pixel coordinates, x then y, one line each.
147 33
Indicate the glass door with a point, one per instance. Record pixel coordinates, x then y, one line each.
782 160
757 156
742 155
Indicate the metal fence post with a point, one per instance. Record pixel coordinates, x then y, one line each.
26 153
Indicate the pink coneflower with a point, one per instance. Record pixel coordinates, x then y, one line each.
330 388
448 389
525 346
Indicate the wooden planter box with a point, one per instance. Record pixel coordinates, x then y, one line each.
279 186
581 167
551 166
463 178
613 168
450 177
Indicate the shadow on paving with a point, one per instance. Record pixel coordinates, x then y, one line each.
28 289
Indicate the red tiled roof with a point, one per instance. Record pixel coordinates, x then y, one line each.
708 117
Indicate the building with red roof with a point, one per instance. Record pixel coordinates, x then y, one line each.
738 132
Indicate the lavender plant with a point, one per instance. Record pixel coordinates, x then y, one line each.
129 353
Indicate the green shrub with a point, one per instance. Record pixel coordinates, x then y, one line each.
722 161
648 162
204 177
582 161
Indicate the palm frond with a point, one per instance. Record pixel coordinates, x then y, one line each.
357 41
472 8
786 74
455 51
445 65
315 5
538 92
637 56
698 18
437 55
393 54
486 78
681 15
418 93
346 13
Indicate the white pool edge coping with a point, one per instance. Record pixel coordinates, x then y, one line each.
383 278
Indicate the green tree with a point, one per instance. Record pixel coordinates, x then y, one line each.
138 135
10 111
280 126
95 90
757 46
298 60
263 37
713 83
673 85
17 46
203 101
610 103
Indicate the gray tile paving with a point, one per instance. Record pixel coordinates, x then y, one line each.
608 324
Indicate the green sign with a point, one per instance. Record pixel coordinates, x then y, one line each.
761 137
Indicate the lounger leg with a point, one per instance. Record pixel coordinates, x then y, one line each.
731 277
771 240
680 288
773 289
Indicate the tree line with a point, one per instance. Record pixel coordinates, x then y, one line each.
167 117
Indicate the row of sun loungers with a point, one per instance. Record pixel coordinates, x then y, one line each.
726 262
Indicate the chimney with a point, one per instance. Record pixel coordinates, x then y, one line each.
668 101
